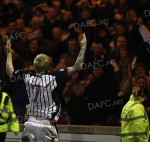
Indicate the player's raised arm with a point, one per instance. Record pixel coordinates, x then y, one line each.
80 59
9 63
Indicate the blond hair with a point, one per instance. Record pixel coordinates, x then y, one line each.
42 63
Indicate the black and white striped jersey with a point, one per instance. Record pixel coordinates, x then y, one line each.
41 90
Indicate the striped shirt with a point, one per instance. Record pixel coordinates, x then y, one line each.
43 92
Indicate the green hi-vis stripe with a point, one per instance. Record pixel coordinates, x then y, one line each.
134 118
133 134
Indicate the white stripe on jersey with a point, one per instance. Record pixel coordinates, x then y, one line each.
39 89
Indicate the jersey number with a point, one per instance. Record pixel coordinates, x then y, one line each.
36 88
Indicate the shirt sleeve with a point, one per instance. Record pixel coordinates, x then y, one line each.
61 77
17 76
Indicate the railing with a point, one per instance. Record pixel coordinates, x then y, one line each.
80 133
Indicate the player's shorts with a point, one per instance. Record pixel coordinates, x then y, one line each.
41 130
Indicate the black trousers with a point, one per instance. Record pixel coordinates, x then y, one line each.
2 137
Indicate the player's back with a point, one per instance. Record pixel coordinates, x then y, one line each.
40 88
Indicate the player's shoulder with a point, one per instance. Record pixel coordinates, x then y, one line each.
59 71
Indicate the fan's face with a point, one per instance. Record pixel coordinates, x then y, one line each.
121 41
141 83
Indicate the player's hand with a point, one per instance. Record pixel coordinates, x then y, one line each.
83 41
8 46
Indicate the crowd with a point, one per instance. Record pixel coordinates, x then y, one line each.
117 56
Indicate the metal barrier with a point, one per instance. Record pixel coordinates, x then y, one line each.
80 133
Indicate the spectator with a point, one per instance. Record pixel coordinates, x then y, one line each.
73 97
32 50
98 91
65 18
139 71
122 6
26 36
12 29
43 43
57 44
143 84
49 22
57 4
119 42
72 54
36 22
38 12
122 72
20 25
70 5
131 80
103 37
99 53
10 12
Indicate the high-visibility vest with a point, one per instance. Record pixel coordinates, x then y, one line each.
8 119
134 122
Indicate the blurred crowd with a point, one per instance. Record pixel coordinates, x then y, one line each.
117 56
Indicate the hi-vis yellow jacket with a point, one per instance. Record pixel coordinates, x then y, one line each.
8 120
134 122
